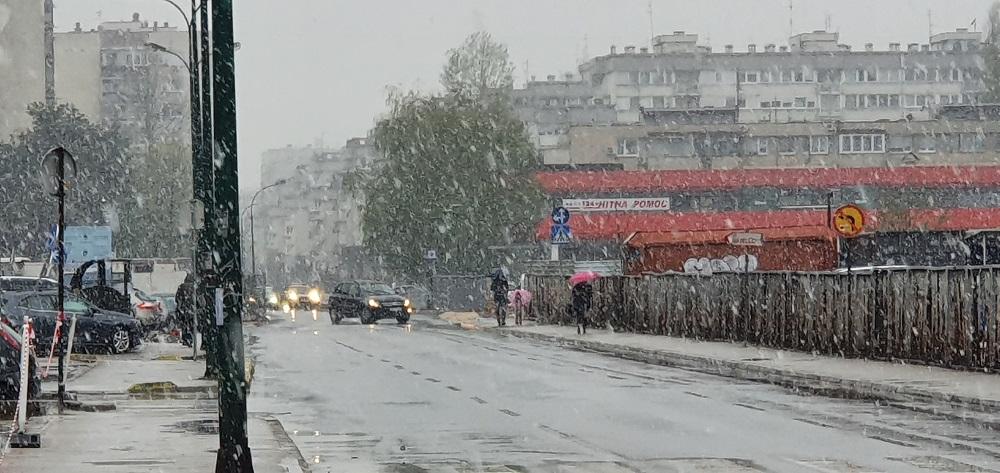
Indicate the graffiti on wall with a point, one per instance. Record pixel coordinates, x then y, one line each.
726 264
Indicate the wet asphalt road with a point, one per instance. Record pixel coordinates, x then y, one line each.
428 397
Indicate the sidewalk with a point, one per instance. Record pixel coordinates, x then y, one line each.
914 386
146 430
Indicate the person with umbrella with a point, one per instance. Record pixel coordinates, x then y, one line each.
581 297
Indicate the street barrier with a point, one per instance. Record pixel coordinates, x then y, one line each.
940 316
18 437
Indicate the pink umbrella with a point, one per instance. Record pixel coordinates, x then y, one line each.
520 298
583 276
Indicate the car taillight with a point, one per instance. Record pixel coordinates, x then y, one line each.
147 305
10 340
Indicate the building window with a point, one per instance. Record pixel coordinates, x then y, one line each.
628 148
970 142
762 146
862 143
765 76
915 74
800 102
851 101
718 77
747 77
659 102
865 75
656 77
819 144
786 145
289 230
633 103
829 75
786 76
644 77
765 105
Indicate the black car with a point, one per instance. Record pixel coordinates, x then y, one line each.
96 329
24 283
369 301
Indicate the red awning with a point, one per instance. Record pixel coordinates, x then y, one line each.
619 226
584 182
646 239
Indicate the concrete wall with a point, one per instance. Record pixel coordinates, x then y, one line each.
22 62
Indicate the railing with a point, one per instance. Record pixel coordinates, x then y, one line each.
945 317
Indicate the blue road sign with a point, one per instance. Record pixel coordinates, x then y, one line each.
87 243
560 216
561 234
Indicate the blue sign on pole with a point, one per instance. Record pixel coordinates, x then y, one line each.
83 244
560 216
561 234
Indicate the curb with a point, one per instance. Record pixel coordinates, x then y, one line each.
285 441
823 385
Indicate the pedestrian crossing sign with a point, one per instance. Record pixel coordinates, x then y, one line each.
561 234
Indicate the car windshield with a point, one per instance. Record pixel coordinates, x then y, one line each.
539 235
376 288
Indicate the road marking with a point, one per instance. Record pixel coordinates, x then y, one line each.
453 388
433 380
510 413
477 399
692 393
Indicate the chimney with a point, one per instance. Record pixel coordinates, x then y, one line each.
629 49
166 25
77 28
913 47
751 48
869 47
156 25
551 77
925 48
568 76
532 78
729 49
769 48
644 50
614 50
135 17
783 49
894 47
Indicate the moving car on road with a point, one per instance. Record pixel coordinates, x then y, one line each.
369 301
301 296
96 329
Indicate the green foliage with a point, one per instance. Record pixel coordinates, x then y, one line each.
991 57
159 189
457 176
477 67
101 154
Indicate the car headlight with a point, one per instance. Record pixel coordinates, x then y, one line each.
314 296
373 304
406 302
273 298
293 294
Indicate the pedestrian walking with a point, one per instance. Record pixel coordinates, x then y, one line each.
581 298
184 298
520 301
499 287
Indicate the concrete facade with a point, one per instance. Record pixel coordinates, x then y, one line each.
22 62
305 225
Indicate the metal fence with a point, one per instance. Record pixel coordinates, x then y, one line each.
936 316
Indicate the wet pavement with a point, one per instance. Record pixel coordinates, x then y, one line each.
429 397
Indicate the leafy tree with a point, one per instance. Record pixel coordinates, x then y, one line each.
480 65
457 176
991 56
101 154
159 189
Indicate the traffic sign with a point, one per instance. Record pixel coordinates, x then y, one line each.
746 239
849 221
84 244
561 234
560 216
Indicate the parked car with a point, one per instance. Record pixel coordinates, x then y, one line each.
10 369
167 301
147 309
96 329
419 295
369 301
25 283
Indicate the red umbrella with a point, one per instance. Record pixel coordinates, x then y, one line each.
583 276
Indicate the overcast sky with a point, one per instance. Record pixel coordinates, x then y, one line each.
318 69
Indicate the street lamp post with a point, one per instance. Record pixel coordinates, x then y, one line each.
253 247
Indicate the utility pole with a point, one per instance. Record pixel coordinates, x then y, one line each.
50 55
204 185
234 448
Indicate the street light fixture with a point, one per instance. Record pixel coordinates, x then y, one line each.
163 49
253 248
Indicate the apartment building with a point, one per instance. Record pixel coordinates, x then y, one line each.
813 80
22 63
305 226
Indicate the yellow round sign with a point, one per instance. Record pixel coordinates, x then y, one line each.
849 220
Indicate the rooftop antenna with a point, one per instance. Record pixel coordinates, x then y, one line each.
930 23
791 18
828 21
586 49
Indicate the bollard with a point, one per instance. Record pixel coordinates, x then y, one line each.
52 350
69 344
20 439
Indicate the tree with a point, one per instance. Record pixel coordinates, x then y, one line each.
480 65
101 156
456 176
991 56
160 188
